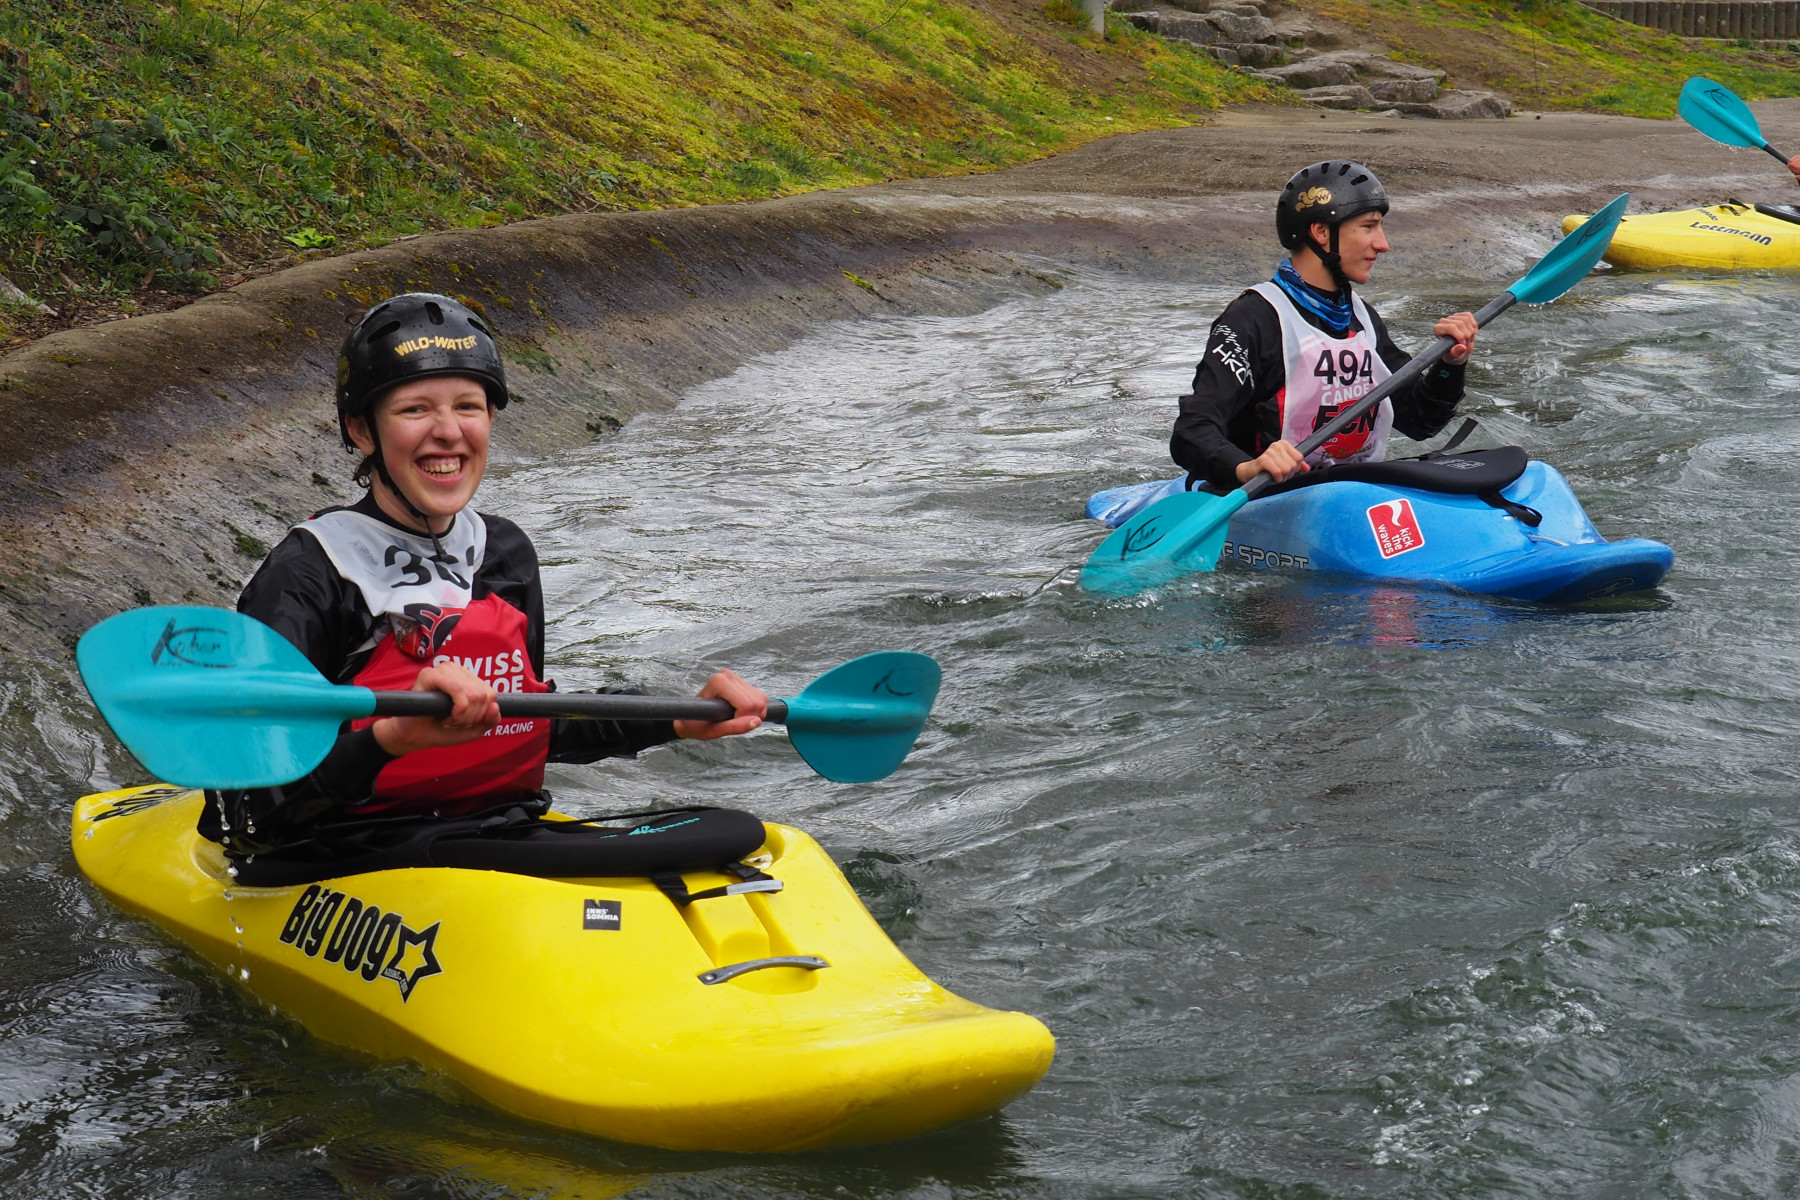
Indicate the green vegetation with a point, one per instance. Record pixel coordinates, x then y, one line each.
1561 54
148 145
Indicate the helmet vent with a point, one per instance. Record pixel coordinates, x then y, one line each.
1344 170
434 312
382 333
476 322
1357 182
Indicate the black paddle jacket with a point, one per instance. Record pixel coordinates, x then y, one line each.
300 595
1232 416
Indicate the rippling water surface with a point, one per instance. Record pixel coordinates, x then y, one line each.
1325 888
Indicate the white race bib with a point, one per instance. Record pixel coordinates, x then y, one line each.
395 569
1325 375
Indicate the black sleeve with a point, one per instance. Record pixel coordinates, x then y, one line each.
1426 405
509 569
1222 423
299 594
589 741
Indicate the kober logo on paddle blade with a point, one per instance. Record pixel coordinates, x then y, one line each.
193 646
1140 538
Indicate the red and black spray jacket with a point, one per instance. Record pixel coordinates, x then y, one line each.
1234 412
301 593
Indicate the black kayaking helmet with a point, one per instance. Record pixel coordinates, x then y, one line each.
411 336
408 337
1328 193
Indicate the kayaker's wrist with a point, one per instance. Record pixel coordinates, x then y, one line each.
388 734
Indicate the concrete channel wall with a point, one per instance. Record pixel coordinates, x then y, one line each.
1759 21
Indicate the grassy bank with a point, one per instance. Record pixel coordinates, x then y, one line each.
153 149
1553 54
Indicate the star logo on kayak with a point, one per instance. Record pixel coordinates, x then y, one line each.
400 969
347 932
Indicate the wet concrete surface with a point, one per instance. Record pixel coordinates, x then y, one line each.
152 459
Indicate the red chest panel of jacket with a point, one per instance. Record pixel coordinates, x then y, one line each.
506 762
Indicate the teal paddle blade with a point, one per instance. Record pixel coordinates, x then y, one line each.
856 722
1715 110
1176 536
1571 259
206 697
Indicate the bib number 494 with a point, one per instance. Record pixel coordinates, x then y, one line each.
1344 367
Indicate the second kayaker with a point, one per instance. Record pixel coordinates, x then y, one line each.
411 588
1288 355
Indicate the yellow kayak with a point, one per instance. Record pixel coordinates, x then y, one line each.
752 1021
1731 236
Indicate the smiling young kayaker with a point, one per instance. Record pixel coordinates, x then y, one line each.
410 588
1287 356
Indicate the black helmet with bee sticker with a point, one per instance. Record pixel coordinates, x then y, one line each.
1327 192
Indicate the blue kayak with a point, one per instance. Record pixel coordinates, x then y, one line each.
1485 521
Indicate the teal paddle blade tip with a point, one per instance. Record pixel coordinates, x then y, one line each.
1716 111
207 697
1178 535
857 722
1570 260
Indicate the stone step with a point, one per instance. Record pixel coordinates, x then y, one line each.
1203 29
1343 95
1311 73
1296 29
1257 55
1459 105
1252 7
1370 62
1358 79
1455 105
1404 91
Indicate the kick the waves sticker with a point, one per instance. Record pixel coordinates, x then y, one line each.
1396 527
362 939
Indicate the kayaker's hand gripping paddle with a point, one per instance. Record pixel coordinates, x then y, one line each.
1184 533
207 697
1716 111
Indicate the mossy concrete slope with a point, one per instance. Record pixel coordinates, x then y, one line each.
155 459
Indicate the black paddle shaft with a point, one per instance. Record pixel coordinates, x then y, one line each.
1776 153
1393 383
580 705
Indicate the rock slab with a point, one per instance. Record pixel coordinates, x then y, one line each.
1260 55
1404 91
1352 95
1311 73
1458 105
1203 29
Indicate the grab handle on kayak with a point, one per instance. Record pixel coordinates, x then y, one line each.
806 962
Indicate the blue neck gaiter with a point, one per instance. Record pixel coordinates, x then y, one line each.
1333 308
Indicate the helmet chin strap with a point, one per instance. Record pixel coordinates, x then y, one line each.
1332 260
381 469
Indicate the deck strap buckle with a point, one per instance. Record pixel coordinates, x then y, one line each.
672 885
